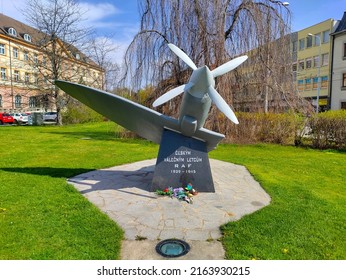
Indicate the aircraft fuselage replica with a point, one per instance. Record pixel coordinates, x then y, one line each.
184 142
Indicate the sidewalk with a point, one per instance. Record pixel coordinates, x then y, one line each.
122 193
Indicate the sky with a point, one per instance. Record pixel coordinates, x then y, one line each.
121 18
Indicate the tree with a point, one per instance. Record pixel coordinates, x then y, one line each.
212 32
102 51
59 23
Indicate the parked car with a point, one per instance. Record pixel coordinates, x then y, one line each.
50 116
6 118
20 118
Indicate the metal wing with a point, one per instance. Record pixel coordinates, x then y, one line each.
146 122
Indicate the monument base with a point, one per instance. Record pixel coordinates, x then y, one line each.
182 160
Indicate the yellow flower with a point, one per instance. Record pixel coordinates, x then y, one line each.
285 251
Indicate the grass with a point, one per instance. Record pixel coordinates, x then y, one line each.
42 217
307 216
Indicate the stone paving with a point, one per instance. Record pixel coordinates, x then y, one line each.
122 192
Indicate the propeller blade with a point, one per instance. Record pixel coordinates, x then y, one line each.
183 56
228 66
222 105
169 95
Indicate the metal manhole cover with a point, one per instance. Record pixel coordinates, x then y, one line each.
172 248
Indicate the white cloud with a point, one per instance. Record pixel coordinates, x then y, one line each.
97 13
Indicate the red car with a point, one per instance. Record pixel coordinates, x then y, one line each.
6 118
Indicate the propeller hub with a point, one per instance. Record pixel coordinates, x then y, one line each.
202 79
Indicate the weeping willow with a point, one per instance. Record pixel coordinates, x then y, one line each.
212 32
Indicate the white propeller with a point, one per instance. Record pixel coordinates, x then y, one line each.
183 56
228 66
222 105
214 95
169 95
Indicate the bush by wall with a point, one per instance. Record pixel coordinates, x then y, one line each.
325 130
328 129
261 127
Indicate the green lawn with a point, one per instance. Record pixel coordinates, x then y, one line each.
306 218
42 217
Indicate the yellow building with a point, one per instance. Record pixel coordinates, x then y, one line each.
25 68
314 62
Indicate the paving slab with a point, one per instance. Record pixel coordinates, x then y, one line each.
123 193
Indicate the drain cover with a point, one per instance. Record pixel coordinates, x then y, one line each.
172 248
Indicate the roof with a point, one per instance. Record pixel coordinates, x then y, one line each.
341 26
38 38
21 28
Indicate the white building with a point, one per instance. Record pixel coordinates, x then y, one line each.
337 89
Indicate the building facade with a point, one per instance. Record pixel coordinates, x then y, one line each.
25 68
338 71
311 69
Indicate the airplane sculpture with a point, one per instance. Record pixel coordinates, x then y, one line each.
199 92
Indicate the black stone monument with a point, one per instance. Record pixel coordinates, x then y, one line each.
182 160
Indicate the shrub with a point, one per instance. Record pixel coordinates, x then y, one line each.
261 127
328 129
77 112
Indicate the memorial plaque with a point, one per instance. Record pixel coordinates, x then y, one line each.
182 160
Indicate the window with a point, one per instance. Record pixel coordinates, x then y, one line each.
27 77
15 52
315 83
301 44
0 100
18 101
35 58
309 41
32 101
294 46
308 84
27 37
301 65
343 81
324 82
3 73
308 63
343 106
12 31
36 79
316 61
343 57
325 59
325 38
2 49
317 39
294 67
16 75
300 85
26 55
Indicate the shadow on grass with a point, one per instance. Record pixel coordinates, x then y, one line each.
98 135
103 179
55 172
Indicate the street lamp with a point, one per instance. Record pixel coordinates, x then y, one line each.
318 71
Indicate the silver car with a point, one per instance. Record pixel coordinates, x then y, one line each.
20 118
49 116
